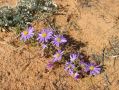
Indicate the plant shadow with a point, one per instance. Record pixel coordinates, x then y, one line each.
73 45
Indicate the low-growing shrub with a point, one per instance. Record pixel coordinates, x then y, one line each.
24 13
76 64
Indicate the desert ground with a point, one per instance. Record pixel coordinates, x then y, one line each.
23 68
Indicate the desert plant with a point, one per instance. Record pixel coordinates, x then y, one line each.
76 64
24 13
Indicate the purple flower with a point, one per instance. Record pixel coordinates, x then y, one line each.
44 46
44 35
58 56
26 35
76 75
83 65
71 72
69 67
93 69
73 57
50 65
81 56
59 39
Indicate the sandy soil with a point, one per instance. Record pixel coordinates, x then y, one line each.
11 3
23 68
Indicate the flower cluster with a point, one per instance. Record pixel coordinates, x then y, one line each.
45 37
76 66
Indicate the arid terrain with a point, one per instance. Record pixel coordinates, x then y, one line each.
93 23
